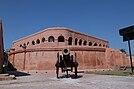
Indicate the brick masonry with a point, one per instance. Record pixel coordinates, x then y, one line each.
39 51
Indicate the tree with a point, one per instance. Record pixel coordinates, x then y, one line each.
123 51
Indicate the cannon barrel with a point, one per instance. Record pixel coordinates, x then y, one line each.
65 51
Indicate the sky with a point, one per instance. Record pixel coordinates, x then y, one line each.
99 18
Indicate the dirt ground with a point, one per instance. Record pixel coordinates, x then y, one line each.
48 80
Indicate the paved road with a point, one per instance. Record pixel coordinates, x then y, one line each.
85 81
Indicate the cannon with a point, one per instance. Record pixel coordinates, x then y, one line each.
66 62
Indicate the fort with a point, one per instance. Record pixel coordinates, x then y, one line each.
39 51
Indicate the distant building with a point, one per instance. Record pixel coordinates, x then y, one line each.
39 51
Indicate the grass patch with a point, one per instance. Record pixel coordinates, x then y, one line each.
112 72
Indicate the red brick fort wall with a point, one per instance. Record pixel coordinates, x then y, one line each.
39 51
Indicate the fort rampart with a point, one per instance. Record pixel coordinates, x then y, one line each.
39 51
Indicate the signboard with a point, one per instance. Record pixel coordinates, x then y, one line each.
129 36
127 33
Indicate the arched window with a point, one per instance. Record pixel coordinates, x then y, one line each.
99 44
20 45
38 41
76 40
24 44
85 43
70 41
80 42
90 44
27 43
33 43
51 39
61 39
43 39
95 44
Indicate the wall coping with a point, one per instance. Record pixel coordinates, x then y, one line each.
57 28
71 48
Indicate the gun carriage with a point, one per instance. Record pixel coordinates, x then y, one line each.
66 62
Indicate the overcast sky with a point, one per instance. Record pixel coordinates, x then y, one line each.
99 18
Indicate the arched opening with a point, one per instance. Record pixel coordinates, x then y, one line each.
43 40
95 44
27 43
99 44
80 42
61 39
51 39
20 45
90 44
38 41
76 40
33 43
85 43
70 41
24 44
106 46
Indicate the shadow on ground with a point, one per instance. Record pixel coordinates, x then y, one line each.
11 70
17 73
72 76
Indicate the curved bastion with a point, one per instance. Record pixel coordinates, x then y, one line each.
39 51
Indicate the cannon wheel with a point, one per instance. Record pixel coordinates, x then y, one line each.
57 72
72 63
76 72
60 61
75 65
67 73
57 67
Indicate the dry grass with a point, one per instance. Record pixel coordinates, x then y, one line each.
111 72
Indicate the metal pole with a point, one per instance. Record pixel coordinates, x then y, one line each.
1 46
130 56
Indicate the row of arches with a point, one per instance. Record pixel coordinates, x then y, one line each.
80 42
38 41
61 38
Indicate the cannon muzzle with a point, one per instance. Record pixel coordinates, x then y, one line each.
65 51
